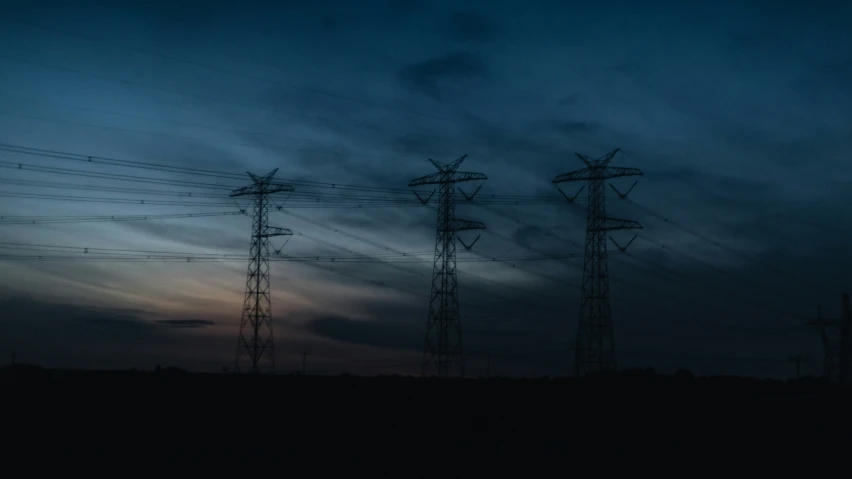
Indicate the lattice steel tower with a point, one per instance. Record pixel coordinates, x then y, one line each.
443 345
595 347
837 365
255 340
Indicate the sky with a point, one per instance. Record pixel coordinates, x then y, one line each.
736 112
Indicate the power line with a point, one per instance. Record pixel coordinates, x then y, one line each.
416 259
511 259
64 155
682 278
563 282
94 199
111 189
722 270
105 218
560 281
660 272
310 203
361 153
727 248
92 249
174 169
108 176
119 255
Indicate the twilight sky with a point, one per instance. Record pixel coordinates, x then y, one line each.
737 112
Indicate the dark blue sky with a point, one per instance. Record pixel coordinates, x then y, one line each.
736 111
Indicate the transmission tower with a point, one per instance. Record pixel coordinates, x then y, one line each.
595 347
255 340
443 345
837 363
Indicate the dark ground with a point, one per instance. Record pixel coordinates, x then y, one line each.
224 417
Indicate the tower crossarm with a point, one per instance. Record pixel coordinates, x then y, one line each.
577 175
612 224
279 188
442 178
460 176
462 225
595 173
617 172
245 190
271 231
257 189
433 179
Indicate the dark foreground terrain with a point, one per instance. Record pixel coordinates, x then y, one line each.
225 416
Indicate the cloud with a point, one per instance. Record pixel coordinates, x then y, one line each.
206 236
185 323
572 128
434 76
468 26
521 119
333 23
62 334
570 99
383 334
179 15
132 323
629 68
407 7
126 323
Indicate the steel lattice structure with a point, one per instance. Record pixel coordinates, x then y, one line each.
837 361
595 346
443 344
256 338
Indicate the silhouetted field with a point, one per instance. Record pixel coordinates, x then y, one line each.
624 412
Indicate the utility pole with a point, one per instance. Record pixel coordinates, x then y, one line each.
829 363
837 362
443 345
595 347
256 339
845 369
304 359
798 358
488 367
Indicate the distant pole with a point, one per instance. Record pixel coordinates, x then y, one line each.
838 354
488 367
304 356
798 358
845 360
